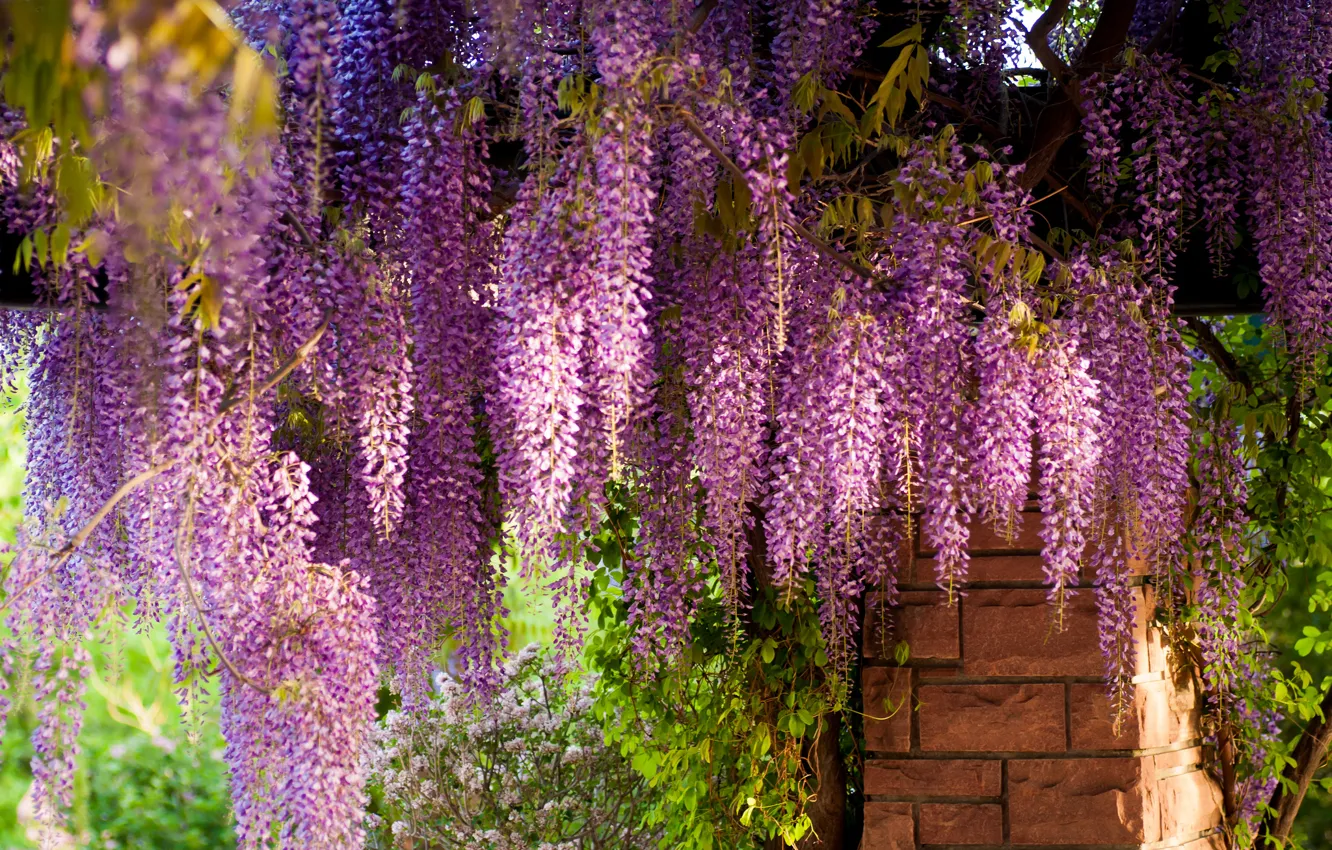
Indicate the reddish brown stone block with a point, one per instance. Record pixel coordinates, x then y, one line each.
992 718
1149 649
1176 761
1006 568
1025 536
1189 803
1015 633
961 823
887 694
889 826
983 538
1215 841
933 777
1160 716
1078 801
922 619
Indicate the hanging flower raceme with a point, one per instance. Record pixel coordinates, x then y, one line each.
724 337
443 578
1003 421
368 101
664 578
545 293
1289 143
313 38
620 344
1142 479
1065 411
817 37
834 408
931 299
1219 538
763 157
1165 116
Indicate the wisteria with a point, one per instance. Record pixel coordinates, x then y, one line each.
496 274
1289 141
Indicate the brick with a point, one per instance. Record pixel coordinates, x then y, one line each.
1176 761
1161 716
1078 801
1025 536
1149 648
992 718
982 538
899 563
889 826
1190 803
922 619
1014 633
887 694
1215 841
1139 565
1006 568
933 777
961 823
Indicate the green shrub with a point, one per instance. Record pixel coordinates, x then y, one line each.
154 792
528 768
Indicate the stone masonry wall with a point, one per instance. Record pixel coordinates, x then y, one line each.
1003 733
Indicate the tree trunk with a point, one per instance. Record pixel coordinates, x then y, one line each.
1309 754
827 810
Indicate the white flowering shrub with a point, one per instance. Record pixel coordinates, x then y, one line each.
525 770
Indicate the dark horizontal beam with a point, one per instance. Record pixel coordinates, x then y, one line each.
1206 296
18 287
1199 291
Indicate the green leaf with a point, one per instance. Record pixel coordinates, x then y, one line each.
894 72
40 244
911 34
60 244
94 246
832 102
919 75
901 652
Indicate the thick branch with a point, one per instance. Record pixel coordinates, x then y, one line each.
827 808
1167 28
1038 39
295 223
697 18
1105 45
700 16
1060 120
1219 354
1290 791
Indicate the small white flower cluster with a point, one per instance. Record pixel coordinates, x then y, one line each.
524 769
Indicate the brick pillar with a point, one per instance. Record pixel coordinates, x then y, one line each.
1004 736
